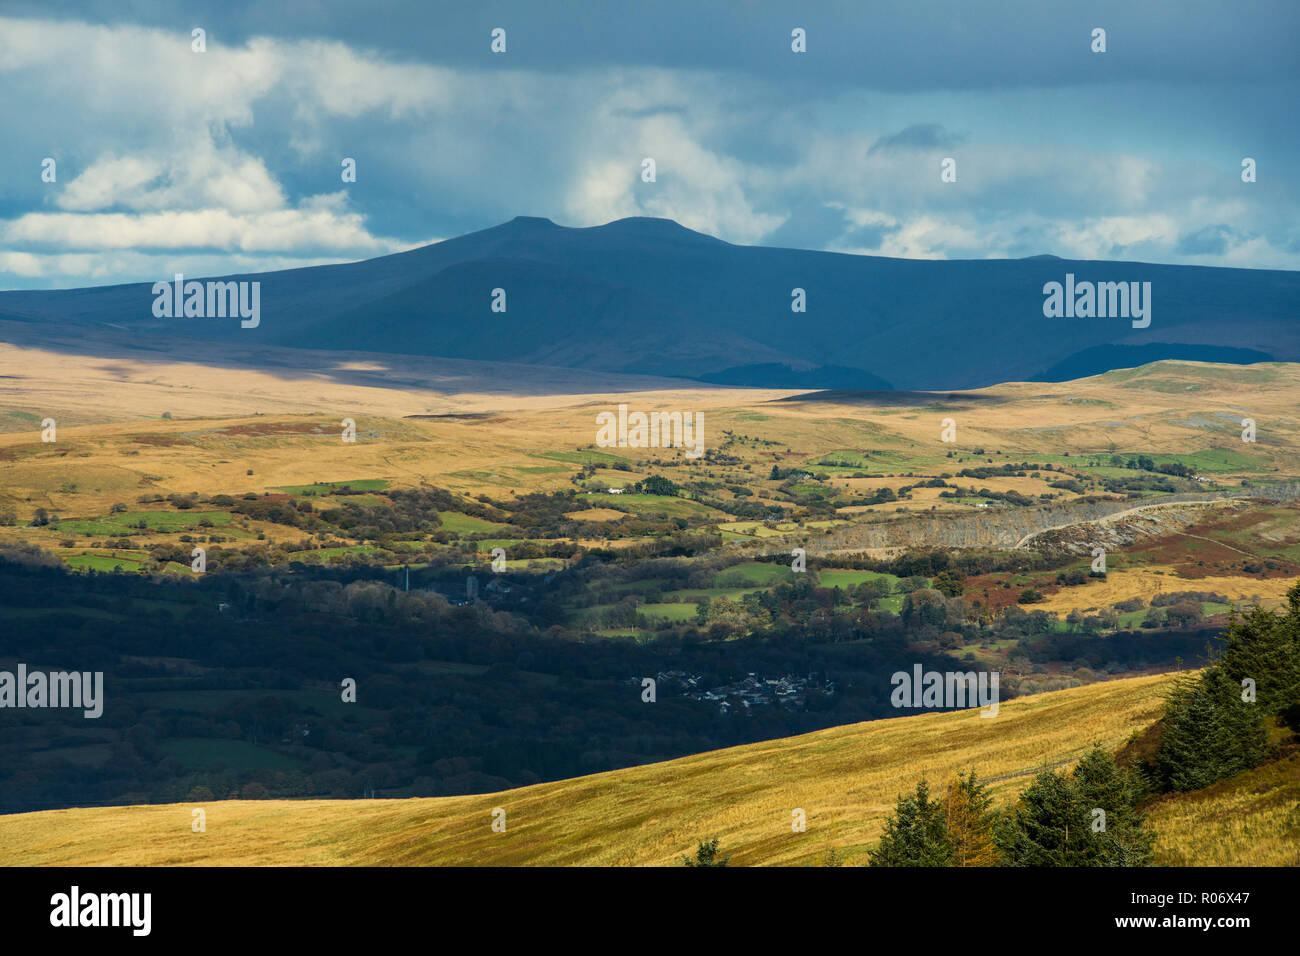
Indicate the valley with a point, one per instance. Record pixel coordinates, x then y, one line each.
500 581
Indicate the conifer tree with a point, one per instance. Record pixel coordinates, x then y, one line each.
1048 827
1208 732
1103 785
916 835
968 812
707 855
1056 821
1265 647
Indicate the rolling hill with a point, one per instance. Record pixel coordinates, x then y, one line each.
845 779
649 296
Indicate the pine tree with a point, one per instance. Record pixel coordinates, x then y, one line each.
1208 733
707 855
1048 827
1103 785
1056 823
967 809
1265 647
916 835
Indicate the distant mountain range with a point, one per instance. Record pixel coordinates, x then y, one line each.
650 296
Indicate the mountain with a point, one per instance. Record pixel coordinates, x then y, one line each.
1106 358
651 296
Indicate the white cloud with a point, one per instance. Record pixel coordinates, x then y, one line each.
196 175
697 186
322 223
231 157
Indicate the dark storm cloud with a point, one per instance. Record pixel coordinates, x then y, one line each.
915 46
232 159
918 136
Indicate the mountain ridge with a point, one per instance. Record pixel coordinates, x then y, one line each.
650 296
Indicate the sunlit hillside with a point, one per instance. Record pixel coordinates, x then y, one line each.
845 780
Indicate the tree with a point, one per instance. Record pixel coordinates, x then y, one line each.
1104 786
916 835
707 855
948 584
1265 647
1208 732
968 813
871 591
1048 827
657 485
1184 613
1088 817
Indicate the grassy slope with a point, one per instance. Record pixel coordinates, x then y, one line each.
1252 819
844 778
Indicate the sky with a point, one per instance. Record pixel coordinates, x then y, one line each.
229 160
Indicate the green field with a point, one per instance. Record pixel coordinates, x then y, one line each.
457 523
487 544
669 611
101 562
205 753
323 555
128 522
839 578
752 573
329 487
695 595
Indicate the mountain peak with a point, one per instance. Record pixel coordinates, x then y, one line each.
655 227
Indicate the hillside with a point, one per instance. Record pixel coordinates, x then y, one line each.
632 296
845 778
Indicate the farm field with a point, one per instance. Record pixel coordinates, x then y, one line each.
1144 583
634 445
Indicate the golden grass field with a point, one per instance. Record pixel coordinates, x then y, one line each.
1249 820
846 780
113 442
285 427
1146 583
506 430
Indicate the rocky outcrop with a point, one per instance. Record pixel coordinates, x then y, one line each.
1039 527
